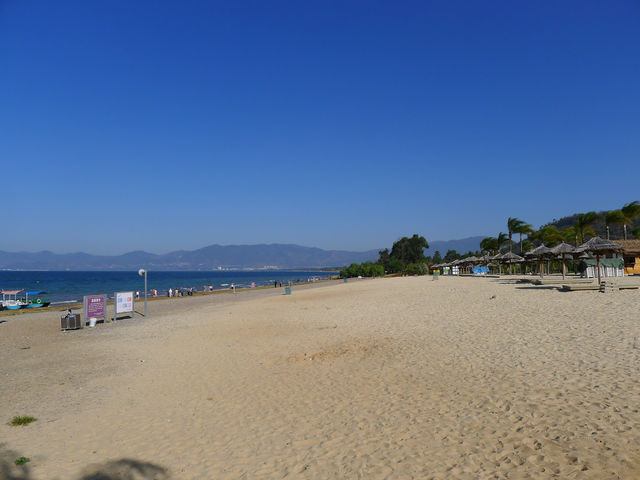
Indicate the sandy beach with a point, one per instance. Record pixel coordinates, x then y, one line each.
397 378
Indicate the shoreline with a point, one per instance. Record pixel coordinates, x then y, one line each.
78 305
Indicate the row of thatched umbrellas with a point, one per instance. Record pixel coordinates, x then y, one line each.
595 246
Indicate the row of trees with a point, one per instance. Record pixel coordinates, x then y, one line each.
551 235
406 256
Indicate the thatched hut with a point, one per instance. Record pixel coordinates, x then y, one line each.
600 247
631 255
539 253
562 250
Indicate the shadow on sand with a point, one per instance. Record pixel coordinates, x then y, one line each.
123 469
539 287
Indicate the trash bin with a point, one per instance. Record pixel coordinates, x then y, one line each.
70 321
287 290
345 279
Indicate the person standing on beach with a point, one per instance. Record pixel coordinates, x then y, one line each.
170 292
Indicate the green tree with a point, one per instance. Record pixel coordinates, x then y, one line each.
410 250
384 256
502 240
570 235
450 256
513 225
528 245
489 244
523 229
417 269
583 225
395 266
549 235
630 211
437 258
614 217
636 232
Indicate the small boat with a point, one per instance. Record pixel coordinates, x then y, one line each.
10 300
36 302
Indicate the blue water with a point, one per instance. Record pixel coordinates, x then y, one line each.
72 286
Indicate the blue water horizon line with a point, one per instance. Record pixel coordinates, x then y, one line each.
71 285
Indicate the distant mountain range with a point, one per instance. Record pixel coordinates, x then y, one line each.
275 256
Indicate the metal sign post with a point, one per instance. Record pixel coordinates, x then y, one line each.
143 273
94 306
122 303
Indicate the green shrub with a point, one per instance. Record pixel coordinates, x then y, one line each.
23 420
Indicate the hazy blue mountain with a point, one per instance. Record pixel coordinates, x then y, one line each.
207 258
462 245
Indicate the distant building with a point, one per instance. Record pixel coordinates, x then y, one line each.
631 255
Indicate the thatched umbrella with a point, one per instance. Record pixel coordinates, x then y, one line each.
563 249
485 260
510 258
599 246
497 258
470 261
540 253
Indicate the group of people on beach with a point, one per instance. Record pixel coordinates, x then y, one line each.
179 292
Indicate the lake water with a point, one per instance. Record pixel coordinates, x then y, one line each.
72 286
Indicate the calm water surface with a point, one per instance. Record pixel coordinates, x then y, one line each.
72 286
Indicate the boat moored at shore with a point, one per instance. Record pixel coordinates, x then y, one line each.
10 300
18 299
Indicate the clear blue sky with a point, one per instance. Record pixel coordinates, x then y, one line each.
343 125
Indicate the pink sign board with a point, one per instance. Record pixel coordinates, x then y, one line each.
96 306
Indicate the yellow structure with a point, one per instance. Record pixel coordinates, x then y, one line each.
631 255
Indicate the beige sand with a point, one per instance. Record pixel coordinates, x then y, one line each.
400 378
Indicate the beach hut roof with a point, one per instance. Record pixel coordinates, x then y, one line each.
562 249
631 247
539 252
510 257
599 245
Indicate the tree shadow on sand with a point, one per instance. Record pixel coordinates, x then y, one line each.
123 469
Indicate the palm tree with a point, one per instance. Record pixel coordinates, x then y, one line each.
614 217
513 225
570 234
630 211
525 229
549 235
527 244
489 244
583 224
502 239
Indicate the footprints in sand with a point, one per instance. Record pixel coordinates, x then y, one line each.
351 349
